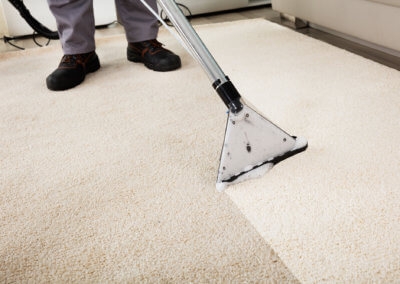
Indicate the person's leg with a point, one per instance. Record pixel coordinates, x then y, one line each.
75 24
139 23
141 29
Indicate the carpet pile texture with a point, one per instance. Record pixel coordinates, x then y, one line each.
115 180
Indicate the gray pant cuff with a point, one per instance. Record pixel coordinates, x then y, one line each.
152 35
78 50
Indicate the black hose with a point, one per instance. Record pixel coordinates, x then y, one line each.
35 24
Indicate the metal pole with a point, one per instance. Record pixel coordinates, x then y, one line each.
193 42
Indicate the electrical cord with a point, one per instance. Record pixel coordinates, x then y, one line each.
36 42
8 40
177 37
185 8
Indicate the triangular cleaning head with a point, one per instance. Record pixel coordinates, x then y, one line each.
252 146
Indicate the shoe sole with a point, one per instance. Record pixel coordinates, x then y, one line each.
136 59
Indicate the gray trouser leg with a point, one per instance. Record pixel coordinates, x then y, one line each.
75 24
138 22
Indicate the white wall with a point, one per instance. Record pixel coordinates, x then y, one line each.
3 24
12 24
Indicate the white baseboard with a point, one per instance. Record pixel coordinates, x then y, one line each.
357 40
253 3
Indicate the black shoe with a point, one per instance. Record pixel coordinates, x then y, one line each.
72 71
153 55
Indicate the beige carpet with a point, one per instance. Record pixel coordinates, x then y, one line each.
115 180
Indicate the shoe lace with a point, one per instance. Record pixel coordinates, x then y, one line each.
154 45
72 59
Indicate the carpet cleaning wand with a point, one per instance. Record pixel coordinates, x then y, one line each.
252 144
